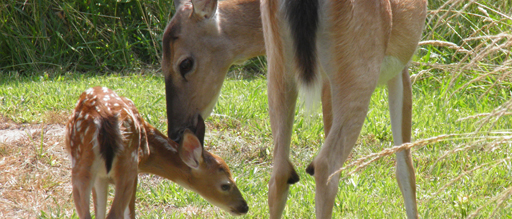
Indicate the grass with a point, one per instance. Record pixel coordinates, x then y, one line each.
80 36
462 89
239 131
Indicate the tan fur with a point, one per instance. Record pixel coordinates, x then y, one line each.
407 126
143 149
355 36
232 36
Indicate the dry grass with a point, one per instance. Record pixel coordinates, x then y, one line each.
35 173
480 55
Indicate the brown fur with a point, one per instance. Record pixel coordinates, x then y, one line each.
139 147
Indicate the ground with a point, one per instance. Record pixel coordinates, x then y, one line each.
35 173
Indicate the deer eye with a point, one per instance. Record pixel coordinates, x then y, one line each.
225 187
185 66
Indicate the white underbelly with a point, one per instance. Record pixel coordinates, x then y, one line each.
391 67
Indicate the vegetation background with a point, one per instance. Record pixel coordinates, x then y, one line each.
52 50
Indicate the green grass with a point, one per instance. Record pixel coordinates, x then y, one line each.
38 35
239 131
449 87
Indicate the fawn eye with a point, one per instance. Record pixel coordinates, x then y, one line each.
225 187
185 66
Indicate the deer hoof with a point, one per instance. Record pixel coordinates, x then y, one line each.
294 177
311 169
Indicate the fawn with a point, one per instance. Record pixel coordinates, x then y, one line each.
109 142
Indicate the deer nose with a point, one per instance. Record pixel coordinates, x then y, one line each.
176 135
244 208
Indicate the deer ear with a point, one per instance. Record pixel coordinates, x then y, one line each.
200 129
176 4
191 150
205 8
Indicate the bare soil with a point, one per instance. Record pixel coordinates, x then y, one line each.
35 179
35 170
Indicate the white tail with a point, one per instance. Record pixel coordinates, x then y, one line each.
110 143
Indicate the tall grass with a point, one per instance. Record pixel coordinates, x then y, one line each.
468 40
104 35
466 53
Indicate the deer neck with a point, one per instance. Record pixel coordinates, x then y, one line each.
240 23
163 159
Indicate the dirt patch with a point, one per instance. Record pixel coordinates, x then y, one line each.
35 171
36 175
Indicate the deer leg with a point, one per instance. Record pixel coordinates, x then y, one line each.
99 194
125 178
82 179
326 107
282 96
400 106
132 201
349 109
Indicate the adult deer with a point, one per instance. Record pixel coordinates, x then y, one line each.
350 47
110 143
343 48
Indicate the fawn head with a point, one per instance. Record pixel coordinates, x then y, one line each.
208 174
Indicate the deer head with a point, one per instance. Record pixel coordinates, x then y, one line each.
202 40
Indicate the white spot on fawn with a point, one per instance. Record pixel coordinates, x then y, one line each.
89 91
135 156
81 115
104 89
78 125
86 130
94 141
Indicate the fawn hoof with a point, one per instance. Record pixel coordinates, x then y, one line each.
294 177
311 169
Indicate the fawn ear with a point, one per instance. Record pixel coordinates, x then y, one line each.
191 150
205 8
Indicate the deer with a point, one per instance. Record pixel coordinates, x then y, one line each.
333 51
110 143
